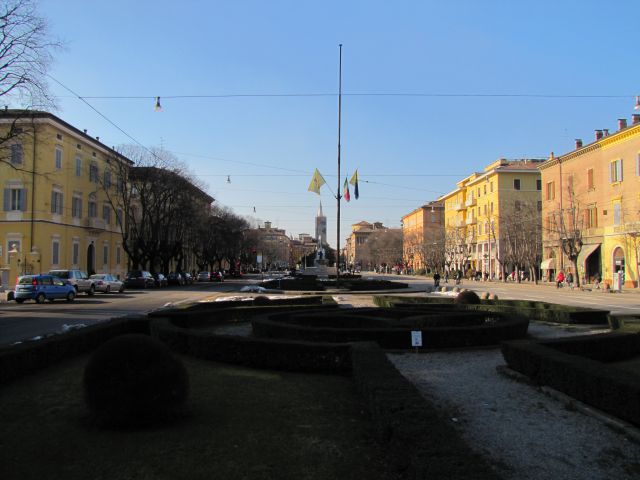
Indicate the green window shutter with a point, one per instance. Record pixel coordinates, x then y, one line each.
7 199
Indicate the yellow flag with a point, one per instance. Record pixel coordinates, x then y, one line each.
316 182
354 182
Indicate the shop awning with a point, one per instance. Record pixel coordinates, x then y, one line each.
585 252
548 264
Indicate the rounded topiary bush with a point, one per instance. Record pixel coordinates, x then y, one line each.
443 289
261 300
467 297
134 380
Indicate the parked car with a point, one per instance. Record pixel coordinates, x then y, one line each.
233 274
217 277
175 278
78 278
43 287
204 277
188 278
107 283
139 279
160 280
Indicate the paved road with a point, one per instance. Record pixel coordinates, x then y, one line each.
29 320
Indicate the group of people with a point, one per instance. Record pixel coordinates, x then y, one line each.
561 279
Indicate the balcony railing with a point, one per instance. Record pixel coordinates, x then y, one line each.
470 221
471 201
458 206
94 223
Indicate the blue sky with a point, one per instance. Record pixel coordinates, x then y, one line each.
464 57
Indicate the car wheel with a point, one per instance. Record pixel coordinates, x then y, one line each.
92 289
71 296
40 298
121 289
19 300
52 300
108 290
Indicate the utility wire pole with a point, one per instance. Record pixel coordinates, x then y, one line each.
338 196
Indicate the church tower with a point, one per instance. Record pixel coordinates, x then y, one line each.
321 227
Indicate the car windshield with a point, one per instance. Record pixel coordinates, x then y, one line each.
26 280
98 276
60 274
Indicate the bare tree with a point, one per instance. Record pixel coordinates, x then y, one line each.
383 247
520 238
565 228
25 54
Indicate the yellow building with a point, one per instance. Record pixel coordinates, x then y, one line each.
55 211
592 195
480 210
422 234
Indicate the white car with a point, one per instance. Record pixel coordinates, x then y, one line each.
107 283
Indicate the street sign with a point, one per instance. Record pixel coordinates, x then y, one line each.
416 338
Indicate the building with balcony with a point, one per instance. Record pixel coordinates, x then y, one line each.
56 212
301 247
483 209
422 236
590 204
360 252
274 247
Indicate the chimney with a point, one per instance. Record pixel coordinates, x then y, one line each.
267 225
605 132
622 123
578 143
598 134
635 118
98 138
85 130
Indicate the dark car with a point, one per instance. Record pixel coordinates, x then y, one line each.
139 279
160 280
175 278
43 287
188 278
217 277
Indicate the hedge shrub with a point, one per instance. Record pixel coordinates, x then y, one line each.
29 357
593 382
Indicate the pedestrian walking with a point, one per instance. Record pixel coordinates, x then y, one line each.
570 280
559 279
436 279
596 281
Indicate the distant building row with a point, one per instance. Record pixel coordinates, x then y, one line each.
578 212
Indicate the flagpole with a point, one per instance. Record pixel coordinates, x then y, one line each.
338 191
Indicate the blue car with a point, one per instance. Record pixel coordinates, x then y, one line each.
43 287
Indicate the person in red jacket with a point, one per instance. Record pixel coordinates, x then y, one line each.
559 279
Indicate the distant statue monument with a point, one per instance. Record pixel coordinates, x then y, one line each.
320 256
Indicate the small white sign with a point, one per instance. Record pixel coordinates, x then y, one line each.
416 338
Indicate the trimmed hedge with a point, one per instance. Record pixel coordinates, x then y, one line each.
351 284
219 316
254 352
318 326
204 307
421 441
29 357
571 366
540 311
